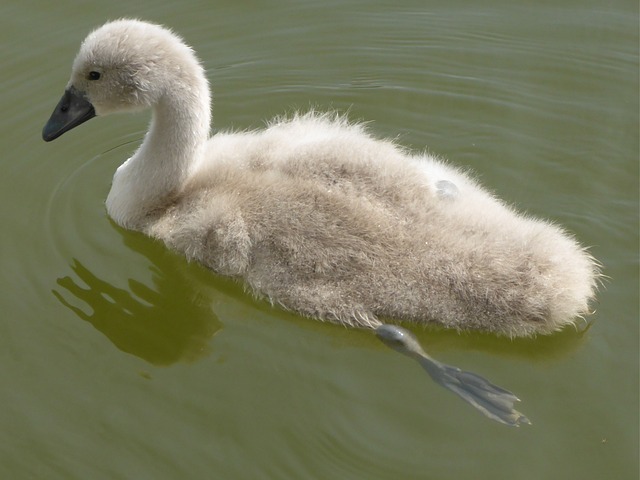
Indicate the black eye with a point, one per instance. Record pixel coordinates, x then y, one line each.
94 75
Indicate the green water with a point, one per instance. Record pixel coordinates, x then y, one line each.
121 361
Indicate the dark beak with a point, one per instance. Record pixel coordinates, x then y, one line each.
72 110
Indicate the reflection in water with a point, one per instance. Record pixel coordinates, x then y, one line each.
174 321
150 323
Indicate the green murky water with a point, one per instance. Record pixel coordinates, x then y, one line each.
121 361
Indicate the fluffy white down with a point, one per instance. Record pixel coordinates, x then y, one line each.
319 217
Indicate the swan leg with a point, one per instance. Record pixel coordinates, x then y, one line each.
447 190
493 401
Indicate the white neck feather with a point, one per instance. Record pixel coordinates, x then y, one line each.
170 152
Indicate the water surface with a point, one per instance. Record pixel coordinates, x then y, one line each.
120 360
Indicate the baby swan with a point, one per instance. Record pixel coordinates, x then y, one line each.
312 212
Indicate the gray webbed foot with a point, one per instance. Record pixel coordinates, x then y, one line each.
446 190
493 401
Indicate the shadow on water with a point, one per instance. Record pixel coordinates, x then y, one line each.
168 322
173 320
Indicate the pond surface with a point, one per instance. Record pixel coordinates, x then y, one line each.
122 361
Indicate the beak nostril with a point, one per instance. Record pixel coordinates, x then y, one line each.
72 110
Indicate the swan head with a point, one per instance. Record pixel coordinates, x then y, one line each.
123 66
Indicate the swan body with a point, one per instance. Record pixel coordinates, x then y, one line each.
314 213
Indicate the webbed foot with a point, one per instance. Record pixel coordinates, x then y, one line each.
493 401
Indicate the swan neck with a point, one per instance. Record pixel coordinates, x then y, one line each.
176 135
172 149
